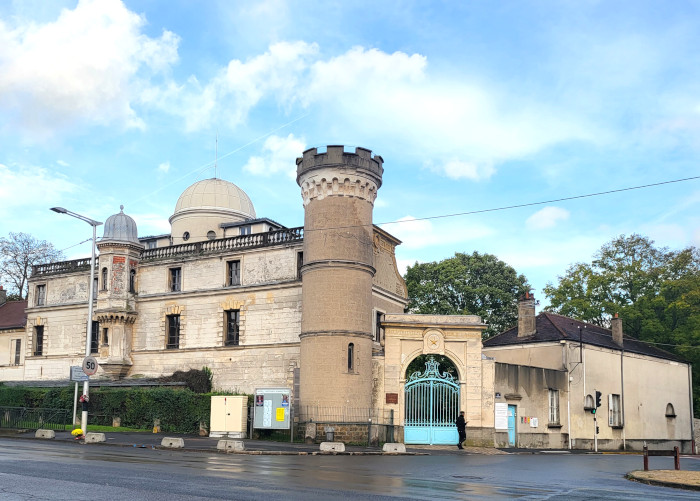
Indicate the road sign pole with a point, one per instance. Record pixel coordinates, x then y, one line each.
595 431
75 402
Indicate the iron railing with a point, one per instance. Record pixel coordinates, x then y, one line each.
33 419
345 415
267 239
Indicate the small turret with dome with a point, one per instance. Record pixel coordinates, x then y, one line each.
204 206
120 228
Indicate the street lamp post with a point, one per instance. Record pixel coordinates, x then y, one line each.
88 339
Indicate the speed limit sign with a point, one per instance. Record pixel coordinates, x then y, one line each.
90 366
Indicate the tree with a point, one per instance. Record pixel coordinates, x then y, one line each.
467 284
18 253
655 291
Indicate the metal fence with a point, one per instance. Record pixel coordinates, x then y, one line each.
347 415
33 419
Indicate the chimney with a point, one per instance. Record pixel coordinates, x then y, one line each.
3 295
616 325
526 315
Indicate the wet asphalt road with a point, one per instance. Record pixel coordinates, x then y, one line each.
40 470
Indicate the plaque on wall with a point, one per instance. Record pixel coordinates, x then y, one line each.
392 398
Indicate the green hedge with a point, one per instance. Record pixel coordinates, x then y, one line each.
180 410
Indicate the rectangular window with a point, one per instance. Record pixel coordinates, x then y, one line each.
175 279
245 230
233 327
614 411
378 329
173 332
300 263
105 337
40 295
94 288
18 351
554 406
151 244
38 340
94 339
233 273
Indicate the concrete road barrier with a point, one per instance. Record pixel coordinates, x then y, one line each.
332 447
173 443
93 438
48 434
394 448
230 445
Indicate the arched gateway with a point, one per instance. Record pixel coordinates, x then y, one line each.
431 406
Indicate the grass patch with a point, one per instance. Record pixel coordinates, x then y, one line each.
112 429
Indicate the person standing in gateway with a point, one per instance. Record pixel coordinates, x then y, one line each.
461 429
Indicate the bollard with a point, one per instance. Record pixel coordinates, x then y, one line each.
676 458
646 458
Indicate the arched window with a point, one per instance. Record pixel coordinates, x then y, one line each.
104 279
351 357
132 281
670 411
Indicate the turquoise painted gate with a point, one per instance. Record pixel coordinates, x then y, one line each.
431 407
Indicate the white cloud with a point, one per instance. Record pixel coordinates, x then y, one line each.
466 128
547 218
23 186
62 163
151 224
164 167
422 233
278 157
457 169
89 65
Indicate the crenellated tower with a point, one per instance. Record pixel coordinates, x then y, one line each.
338 190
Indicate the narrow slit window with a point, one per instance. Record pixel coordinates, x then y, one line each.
351 357
104 279
38 340
173 332
233 318
175 279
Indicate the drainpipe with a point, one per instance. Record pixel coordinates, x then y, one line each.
690 397
622 397
565 358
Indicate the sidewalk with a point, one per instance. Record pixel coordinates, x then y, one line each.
204 444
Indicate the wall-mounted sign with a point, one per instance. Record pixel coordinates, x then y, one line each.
272 410
501 417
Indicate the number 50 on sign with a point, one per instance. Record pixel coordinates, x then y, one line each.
90 366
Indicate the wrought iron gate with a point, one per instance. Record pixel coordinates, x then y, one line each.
431 407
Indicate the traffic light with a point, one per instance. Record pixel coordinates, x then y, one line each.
597 398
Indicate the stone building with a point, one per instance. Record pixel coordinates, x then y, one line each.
318 309
549 368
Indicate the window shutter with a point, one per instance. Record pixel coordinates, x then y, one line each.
611 411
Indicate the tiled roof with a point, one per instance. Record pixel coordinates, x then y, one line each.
552 327
12 315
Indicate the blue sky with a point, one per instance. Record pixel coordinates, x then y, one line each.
472 105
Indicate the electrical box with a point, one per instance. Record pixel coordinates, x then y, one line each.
229 416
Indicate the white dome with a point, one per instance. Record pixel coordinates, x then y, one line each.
215 194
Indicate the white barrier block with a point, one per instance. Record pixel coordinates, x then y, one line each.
173 443
394 448
93 438
230 445
45 434
332 447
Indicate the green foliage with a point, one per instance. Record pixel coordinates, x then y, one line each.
198 381
655 291
445 365
467 284
179 410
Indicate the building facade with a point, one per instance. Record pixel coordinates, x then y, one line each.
549 369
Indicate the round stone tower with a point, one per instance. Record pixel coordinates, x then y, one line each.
339 190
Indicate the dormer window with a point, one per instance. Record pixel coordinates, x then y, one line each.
245 230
